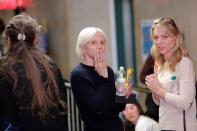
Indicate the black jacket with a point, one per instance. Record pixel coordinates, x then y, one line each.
11 111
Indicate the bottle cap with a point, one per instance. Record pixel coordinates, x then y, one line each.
121 68
173 78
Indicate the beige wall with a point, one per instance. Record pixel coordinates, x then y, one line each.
5 15
55 14
83 14
184 12
65 19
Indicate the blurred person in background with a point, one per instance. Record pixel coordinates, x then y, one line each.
147 69
2 27
32 90
134 115
93 83
173 82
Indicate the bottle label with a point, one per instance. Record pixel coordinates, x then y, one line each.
120 90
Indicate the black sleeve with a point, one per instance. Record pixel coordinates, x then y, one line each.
147 69
59 80
96 101
8 111
61 84
118 106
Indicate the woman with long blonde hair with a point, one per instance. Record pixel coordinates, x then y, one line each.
173 81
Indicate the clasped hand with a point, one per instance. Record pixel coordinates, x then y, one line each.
152 83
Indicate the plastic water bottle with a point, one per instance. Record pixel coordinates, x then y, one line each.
120 82
174 89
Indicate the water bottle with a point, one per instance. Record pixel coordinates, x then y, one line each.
120 82
120 85
174 89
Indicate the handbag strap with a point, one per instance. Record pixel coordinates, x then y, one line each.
184 122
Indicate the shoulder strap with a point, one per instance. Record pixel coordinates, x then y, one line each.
196 96
184 122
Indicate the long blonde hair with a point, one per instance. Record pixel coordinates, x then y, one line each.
170 27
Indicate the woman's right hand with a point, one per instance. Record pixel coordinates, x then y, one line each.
153 84
100 64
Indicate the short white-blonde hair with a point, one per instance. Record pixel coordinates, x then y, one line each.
84 37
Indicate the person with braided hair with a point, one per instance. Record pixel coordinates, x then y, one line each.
2 27
32 90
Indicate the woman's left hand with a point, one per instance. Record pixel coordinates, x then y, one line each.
152 82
